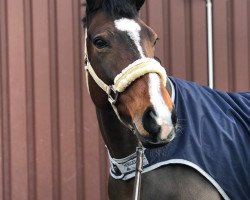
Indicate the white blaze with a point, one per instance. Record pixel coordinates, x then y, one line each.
162 111
133 30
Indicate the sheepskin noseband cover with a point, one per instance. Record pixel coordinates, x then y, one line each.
137 69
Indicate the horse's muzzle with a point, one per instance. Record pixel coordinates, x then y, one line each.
158 134
147 143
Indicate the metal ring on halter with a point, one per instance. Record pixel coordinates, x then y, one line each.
112 95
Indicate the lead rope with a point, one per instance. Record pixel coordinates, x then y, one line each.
138 172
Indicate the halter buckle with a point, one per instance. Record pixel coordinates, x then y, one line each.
112 95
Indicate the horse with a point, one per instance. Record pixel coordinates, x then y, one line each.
136 102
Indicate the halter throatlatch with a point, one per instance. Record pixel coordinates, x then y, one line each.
132 72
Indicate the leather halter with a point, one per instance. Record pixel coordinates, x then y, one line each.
132 72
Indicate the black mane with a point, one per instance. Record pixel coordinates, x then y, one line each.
113 8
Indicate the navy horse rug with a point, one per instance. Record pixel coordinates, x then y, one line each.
213 137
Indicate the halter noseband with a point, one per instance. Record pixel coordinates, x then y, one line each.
132 72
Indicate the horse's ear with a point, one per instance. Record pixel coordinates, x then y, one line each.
139 4
92 4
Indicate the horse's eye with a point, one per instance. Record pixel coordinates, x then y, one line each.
100 43
156 41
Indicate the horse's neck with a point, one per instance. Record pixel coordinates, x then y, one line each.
119 140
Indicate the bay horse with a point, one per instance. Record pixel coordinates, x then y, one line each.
177 122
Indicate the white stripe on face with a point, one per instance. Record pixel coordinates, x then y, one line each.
133 30
162 111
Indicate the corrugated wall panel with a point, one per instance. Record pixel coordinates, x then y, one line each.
4 106
222 44
17 100
78 97
231 44
182 30
241 65
42 100
65 69
50 142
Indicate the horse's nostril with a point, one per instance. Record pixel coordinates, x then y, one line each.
149 122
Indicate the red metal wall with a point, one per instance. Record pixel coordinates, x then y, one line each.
181 25
50 146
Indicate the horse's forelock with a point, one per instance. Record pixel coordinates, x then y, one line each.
114 8
119 9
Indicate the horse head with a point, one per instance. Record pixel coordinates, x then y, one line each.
120 61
